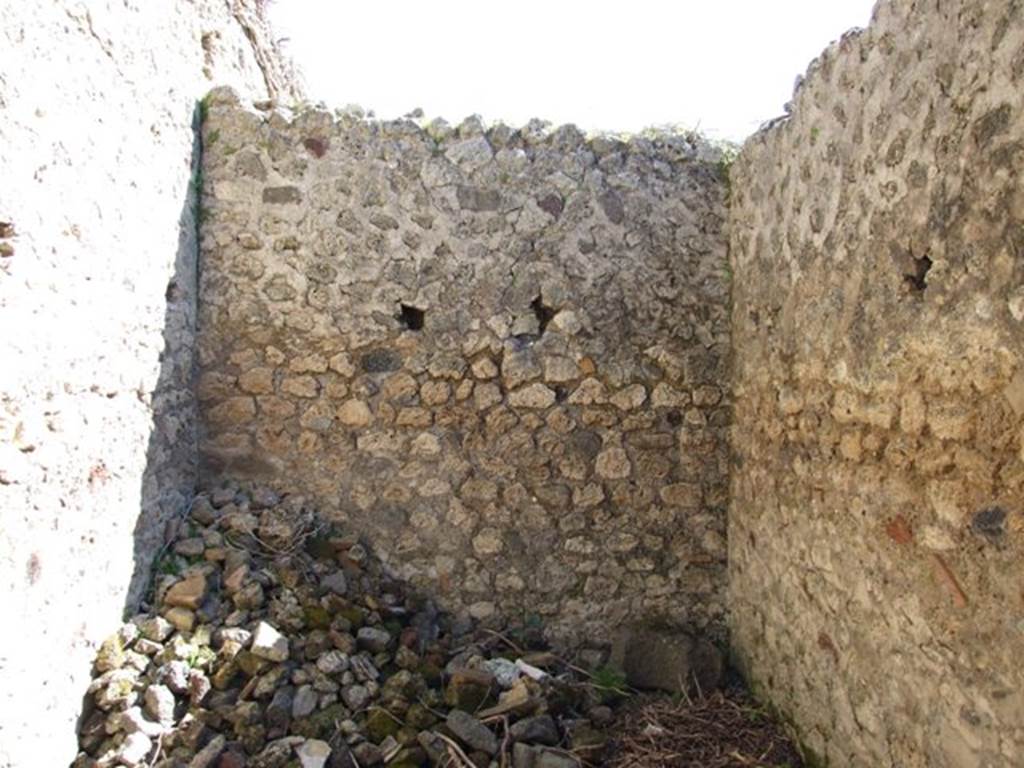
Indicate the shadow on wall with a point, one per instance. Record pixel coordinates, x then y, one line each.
170 474
169 480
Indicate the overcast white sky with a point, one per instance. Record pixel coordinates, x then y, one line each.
723 66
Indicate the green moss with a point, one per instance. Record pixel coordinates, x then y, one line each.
354 615
380 724
610 683
203 109
316 617
321 725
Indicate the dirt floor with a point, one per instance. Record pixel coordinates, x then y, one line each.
722 730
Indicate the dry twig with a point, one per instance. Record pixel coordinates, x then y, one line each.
715 731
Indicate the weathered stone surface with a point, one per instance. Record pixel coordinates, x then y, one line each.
540 729
355 413
187 593
268 643
313 753
667 660
423 358
97 408
876 329
472 732
613 463
373 639
532 396
160 703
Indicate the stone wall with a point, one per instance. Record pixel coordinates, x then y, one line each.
97 301
876 538
498 354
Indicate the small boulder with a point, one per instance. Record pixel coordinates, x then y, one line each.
313 753
205 757
535 730
304 702
469 689
373 639
268 643
160 703
667 660
187 593
472 732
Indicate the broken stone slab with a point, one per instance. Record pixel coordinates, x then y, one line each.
160 703
472 732
205 757
373 639
524 756
540 729
187 593
667 660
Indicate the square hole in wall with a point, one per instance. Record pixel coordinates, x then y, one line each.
412 318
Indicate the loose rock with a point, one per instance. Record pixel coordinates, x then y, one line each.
268 643
472 732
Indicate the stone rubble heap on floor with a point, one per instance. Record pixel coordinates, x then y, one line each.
277 641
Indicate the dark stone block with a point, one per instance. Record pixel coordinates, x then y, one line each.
478 199
612 206
282 195
990 522
381 361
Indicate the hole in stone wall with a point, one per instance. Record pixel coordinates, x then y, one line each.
543 313
6 233
412 317
917 273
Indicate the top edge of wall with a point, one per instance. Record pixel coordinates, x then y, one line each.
850 39
685 145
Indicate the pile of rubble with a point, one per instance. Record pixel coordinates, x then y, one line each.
271 639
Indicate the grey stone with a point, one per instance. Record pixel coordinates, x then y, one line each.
282 195
373 639
304 702
505 672
667 660
478 199
332 662
381 361
355 696
208 754
540 729
335 582
472 732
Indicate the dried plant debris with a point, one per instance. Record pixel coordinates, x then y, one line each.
720 730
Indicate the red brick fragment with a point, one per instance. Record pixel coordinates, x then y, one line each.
899 530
